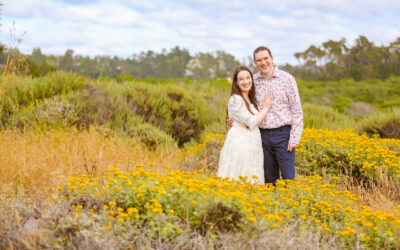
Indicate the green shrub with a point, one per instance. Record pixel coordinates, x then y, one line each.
49 113
151 135
19 92
322 117
24 89
386 124
341 103
95 106
125 77
177 110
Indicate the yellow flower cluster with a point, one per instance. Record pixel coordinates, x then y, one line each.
370 155
343 151
210 138
163 200
28 107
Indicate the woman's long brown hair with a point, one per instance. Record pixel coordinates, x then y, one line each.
236 90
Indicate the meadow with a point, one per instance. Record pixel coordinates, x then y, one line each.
116 163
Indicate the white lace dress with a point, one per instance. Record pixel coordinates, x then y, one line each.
242 153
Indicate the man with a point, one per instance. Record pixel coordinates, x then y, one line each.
283 125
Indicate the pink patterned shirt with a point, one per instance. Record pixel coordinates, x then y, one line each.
286 107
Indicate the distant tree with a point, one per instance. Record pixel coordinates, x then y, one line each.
86 66
334 50
66 62
226 64
37 56
38 65
394 51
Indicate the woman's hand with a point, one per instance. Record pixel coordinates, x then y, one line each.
267 102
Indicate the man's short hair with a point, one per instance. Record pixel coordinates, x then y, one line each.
261 48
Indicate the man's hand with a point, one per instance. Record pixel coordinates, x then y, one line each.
229 121
291 147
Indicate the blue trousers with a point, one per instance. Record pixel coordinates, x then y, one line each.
276 157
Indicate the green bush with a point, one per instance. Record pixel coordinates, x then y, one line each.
322 117
177 110
151 135
386 124
45 114
125 77
19 92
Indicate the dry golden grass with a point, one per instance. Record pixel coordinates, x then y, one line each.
34 161
377 196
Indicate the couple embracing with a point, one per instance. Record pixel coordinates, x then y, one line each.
266 119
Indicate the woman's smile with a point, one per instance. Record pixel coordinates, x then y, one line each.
244 81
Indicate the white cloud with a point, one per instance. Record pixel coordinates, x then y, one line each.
140 4
100 14
26 8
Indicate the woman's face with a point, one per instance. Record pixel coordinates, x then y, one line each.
244 81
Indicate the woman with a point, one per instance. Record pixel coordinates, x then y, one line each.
242 153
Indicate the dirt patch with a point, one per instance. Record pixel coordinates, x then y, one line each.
358 109
184 128
322 100
220 218
175 96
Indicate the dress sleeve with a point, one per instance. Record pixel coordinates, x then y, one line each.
238 111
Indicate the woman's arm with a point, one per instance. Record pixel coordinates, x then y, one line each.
238 111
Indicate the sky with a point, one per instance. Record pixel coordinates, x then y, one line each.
126 27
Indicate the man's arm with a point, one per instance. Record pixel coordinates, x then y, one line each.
296 113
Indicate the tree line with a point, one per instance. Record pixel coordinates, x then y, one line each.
175 63
333 60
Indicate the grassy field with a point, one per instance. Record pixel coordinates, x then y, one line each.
117 164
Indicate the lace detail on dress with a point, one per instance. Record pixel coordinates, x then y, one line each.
242 153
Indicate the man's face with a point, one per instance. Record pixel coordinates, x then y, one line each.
264 62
